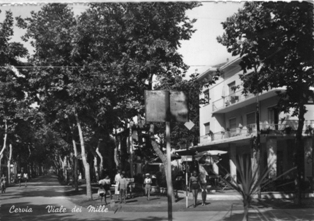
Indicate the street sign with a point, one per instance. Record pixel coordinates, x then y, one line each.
156 106
178 106
161 105
189 125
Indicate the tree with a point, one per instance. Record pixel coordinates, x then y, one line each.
11 90
275 39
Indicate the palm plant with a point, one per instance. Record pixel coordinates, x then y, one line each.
250 181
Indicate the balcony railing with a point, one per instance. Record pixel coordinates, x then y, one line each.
229 133
233 98
285 128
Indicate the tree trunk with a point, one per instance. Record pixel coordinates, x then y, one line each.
63 166
1 156
75 160
96 167
4 144
9 164
116 160
163 159
299 156
131 150
101 163
84 159
246 213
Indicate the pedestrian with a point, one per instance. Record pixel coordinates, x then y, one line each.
25 177
204 193
194 185
178 183
148 185
104 189
19 177
116 179
122 186
203 180
3 183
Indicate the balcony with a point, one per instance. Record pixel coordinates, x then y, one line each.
244 132
238 99
285 128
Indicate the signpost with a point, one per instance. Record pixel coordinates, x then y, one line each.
160 106
189 125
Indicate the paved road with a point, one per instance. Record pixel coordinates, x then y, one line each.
45 200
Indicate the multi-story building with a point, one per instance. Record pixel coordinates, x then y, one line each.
228 123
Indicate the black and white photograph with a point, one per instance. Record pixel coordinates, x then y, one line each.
156 110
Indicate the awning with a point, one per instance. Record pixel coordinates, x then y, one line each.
189 152
211 153
173 157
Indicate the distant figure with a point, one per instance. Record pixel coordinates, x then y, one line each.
123 184
148 185
19 177
3 183
204 193
178 183
104 188
194 185
25 177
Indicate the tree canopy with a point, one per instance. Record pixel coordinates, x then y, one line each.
275 38
93 69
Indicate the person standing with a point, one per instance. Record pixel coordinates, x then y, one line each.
19 177
194 185
204 193
123 184
25 177
147 182
116 179
203 180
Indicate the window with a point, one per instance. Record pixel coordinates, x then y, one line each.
273 117
231 87
233 126
207 128
206 97
250 119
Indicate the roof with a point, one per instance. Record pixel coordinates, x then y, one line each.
221 66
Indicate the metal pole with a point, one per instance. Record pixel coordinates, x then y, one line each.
258 149
169 183
186 180
186 184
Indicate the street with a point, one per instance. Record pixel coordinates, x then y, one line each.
45 199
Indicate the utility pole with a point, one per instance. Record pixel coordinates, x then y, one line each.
258 142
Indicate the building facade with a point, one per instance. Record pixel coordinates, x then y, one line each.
228 122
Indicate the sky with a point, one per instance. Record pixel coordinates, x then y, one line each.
200 52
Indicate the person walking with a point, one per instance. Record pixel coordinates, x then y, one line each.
122 186
194 185
25 177
204 193
104 189
147 182
116 179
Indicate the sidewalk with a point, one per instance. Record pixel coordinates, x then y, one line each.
47 191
